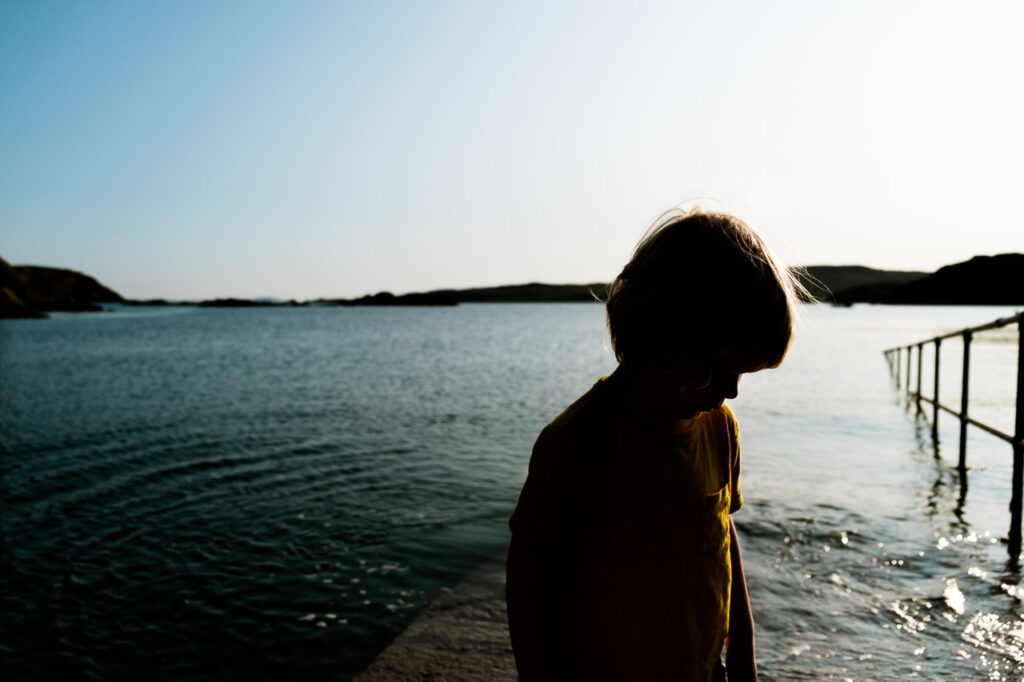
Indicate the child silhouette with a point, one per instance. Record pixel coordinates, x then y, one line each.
624 562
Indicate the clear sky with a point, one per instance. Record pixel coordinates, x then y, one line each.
193 149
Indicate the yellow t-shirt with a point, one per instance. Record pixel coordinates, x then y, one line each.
631 532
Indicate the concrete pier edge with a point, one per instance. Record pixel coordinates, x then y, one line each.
462 636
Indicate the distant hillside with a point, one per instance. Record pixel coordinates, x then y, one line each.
827 283
30 290
822 281
983 280
510 293
12 293
386 298
533 292
264 302
236 303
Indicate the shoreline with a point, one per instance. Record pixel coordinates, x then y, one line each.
461 636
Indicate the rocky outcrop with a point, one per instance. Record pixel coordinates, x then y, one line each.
12 294
31 290
983 280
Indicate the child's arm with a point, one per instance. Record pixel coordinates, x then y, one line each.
524 621
739 657
532 610
535 584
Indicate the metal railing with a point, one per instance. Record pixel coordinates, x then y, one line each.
894 356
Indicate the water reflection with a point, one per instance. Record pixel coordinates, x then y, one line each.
928 447
991 640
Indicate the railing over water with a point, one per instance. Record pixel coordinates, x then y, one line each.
895 358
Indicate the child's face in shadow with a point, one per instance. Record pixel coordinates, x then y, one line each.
683 394
688 388
686 401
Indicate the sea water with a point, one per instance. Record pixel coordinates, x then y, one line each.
275 493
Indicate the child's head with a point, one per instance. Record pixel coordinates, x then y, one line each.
701 289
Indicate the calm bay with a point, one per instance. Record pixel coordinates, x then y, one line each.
275 493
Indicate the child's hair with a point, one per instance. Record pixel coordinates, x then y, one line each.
700 286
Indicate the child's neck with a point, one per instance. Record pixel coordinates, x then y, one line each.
643 397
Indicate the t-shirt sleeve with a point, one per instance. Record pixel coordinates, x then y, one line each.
733 429
542 506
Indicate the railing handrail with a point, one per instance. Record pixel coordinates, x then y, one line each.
894 356
969 419
995 324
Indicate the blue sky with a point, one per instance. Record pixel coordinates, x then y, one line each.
307 149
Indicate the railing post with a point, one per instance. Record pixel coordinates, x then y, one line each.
920 354
899 354
1018 448
909 350
935 404
963 402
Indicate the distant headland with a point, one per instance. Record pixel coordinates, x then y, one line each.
983 280
32 291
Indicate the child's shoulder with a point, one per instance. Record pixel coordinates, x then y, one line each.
731 424
578 426
585 413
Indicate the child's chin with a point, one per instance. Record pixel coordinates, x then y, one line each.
705 410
